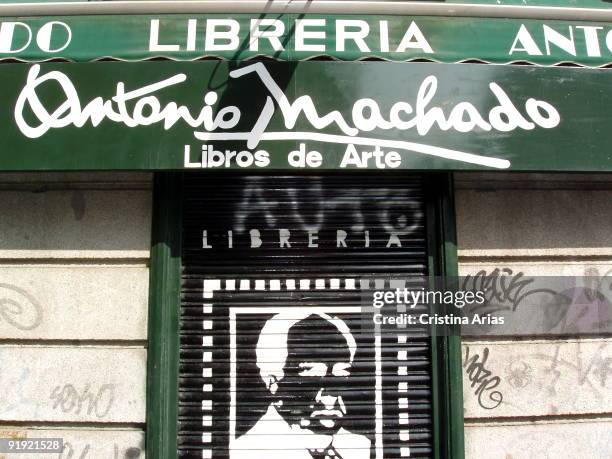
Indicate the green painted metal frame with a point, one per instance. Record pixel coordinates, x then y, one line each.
447 398
164 315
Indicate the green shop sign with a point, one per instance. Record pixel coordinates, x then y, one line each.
307 115
298 37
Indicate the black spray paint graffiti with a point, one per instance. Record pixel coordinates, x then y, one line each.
545 304
579 305
482 379
18 308
69 400
503 289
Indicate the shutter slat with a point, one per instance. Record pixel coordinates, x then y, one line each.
220 383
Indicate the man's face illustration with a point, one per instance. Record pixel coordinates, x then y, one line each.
316 374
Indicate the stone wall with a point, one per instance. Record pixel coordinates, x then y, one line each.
74 262
536 396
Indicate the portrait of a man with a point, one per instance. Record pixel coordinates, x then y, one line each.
305 379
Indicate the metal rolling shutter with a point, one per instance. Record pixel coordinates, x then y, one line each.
230 291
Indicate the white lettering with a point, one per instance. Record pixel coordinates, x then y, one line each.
191 34
228 37
140 106
45 34
559 40
465 109
154 39
393 160
526 41
283 238
188 163
301 35
414 39
505 117
297 158
7 32
384 36
272 30
351 158
341 238
313 237
394 241
373 120
262 158
591 40
357 36
255 236
549 119
435 115
205 244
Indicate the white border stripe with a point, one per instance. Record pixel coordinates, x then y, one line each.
305 284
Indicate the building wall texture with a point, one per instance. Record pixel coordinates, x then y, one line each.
74 262
74 257
556 393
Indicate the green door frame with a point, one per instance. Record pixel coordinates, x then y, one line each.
446 350
164 316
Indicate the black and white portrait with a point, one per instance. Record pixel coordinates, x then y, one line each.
306 360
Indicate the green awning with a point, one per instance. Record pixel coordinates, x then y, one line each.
295 37
432 107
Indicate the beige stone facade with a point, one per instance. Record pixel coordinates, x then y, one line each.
74 263
556 392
